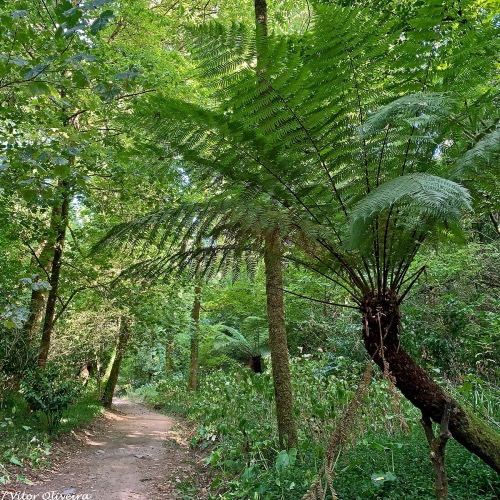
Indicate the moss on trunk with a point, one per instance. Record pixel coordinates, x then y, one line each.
278 341
123 338
381 324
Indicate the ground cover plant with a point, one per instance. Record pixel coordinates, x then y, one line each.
233 413
26 437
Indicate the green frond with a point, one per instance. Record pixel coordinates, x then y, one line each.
342 141
418 198
484 154
416 110
240 345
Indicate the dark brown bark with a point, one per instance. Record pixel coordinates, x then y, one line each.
278 341
437 444
261 16
381 323
256 364
195 317
60 215
43 259
123 338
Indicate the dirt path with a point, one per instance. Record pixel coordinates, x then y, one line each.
135 455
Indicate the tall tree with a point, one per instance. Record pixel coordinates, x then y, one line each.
195 332
274 288
121 345
61 215
369 187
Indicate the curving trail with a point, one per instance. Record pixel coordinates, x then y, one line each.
137 455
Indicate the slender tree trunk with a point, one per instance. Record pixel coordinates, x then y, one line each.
43 260
261 16
437 445
278 341
195 327
60 216
123 338
111 361
34 321
381 323
274 290
169 356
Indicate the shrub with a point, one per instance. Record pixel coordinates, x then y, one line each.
48 392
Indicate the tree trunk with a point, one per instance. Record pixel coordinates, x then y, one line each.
260 7
169 356
195 326
60 220
123 338
43 260
278 341
381 323
256 364
437 445
34 321
111 361
274 290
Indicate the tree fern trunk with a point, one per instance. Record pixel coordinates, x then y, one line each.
278 341
60 221
381 323
274 293
123 338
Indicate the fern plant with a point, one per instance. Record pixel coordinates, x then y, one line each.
356 132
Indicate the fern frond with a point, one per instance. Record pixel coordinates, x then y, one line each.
416 110
418 194
484 154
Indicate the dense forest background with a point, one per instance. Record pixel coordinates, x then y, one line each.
279 219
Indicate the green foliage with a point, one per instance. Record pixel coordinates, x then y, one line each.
24 441
357 142
48 392
418 198
331 143
233 411
451 320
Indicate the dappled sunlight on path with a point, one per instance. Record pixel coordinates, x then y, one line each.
135 457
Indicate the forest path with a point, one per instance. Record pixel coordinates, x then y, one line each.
136 455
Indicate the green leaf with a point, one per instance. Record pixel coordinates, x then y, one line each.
39 88
94 4
19 61
286 459
101 21
35 71
15 461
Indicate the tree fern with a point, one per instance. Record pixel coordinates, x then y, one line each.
346 112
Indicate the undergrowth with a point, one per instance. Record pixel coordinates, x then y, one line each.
234 413
25 440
